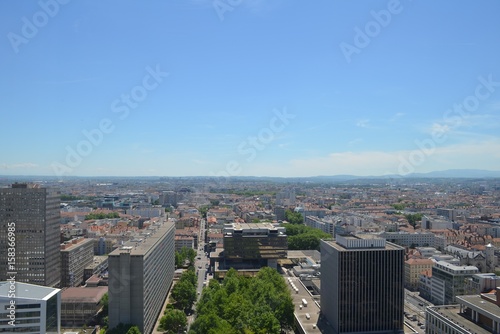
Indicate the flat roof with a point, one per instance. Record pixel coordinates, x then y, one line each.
251 227
83 294
144 243
71 246
488 307
451 266
451 312
340 248
27 291
312 307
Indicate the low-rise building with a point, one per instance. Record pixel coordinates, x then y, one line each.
34 309
413 269
478 314
254 245
79 306
409 239
449 281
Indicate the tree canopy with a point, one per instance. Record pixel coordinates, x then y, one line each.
102 215
185 254
413 218
293 217
184 291
124 329
304 237
174 321
260 304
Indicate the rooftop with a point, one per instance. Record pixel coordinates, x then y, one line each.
27 291
360 242
83 295
451 312
143 245
487 306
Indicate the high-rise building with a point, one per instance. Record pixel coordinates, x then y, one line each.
140 275
362 287
31 214
76 254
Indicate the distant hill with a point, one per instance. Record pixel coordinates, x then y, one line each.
459 173
450 173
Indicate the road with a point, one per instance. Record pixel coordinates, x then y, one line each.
414 304
201 264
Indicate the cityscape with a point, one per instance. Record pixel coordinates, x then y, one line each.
249 167
168 255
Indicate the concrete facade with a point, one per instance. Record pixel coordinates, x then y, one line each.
32 214
140 276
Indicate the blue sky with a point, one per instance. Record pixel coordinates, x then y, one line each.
250 87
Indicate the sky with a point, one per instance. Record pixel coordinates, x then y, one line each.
248 87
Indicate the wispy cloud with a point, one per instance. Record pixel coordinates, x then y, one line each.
396 116
483 154
355 141
23 165
363 123
65 82
452 125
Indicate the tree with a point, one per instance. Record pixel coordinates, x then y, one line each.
124 329
399 206
413 218
174 321
191 254
105 303
134 330
260 304
203 210
184 294
304 237
185 254
293 217
102 215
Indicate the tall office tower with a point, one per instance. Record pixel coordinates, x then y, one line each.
33 211
362 286
140 274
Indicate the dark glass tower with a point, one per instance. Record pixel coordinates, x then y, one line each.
362 287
